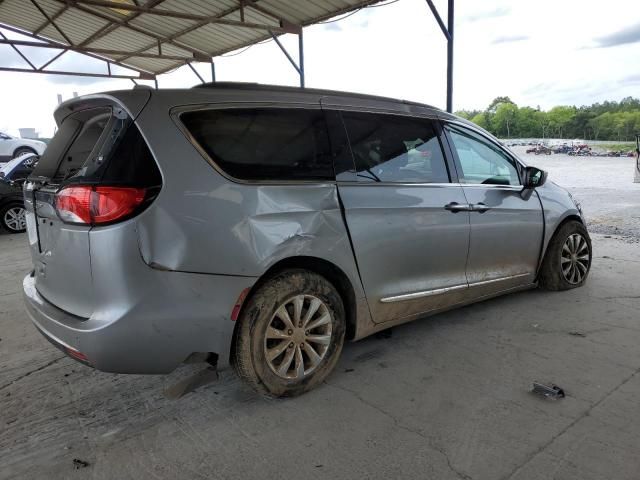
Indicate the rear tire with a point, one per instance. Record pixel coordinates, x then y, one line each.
12 218
567 261
290 334
22 151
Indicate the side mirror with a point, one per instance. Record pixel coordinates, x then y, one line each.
534 177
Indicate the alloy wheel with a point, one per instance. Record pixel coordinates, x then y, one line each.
14 219
575 258
298 337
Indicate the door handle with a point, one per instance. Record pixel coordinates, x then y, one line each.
456 207
480 207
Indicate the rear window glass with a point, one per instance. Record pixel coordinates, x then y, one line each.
392 148
100 145
264 144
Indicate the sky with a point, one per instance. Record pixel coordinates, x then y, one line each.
539 53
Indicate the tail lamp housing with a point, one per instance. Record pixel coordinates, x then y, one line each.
97 204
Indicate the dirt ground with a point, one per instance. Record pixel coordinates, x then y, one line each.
447 397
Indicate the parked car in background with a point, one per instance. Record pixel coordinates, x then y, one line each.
540 150
12 147
12 177
263 226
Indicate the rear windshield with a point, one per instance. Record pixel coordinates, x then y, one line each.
100 145
264 144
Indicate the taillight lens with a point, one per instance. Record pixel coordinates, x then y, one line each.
86 204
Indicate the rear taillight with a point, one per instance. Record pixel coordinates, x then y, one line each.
87 204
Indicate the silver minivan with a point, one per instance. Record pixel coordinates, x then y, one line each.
263 226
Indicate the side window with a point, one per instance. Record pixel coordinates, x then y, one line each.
392 148
480 161
264 143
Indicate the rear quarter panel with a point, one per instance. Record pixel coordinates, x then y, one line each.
203 222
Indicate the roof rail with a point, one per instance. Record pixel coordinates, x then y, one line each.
283 88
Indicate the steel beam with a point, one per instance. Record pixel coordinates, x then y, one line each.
123 23
100 51
301 58
196 72
436 15
64 46
53 17
75 74
173 14
448 35
110 27
52 22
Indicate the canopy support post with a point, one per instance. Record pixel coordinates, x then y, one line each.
301 58
448 35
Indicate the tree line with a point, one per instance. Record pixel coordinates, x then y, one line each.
600 121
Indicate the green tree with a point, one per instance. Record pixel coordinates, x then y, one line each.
526 123
602 126
493 106
481 120
560 117
609 120
504 118
544 123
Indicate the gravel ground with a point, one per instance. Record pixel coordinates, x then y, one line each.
603 185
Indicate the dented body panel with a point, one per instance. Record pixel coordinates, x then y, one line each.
163 284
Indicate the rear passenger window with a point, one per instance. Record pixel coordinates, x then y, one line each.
392 148
264 144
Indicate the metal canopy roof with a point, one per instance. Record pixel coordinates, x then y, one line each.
156 36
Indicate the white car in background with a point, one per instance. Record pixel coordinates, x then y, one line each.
12 147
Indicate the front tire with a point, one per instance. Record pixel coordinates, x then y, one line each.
567 262
13 219
290 334
22 151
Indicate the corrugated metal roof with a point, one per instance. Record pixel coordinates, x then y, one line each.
155 36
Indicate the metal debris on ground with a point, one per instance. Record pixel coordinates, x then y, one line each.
192 382
77 463
578 334
548 391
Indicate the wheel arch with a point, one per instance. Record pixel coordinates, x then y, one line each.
23 147
559 225
325 268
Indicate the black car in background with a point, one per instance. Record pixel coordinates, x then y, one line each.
12 176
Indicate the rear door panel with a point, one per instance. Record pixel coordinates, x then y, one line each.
406 243
411 251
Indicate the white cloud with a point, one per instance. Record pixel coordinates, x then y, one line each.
399 51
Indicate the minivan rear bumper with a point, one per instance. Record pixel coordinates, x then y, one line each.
150 337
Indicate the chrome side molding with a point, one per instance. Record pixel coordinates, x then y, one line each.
440 291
